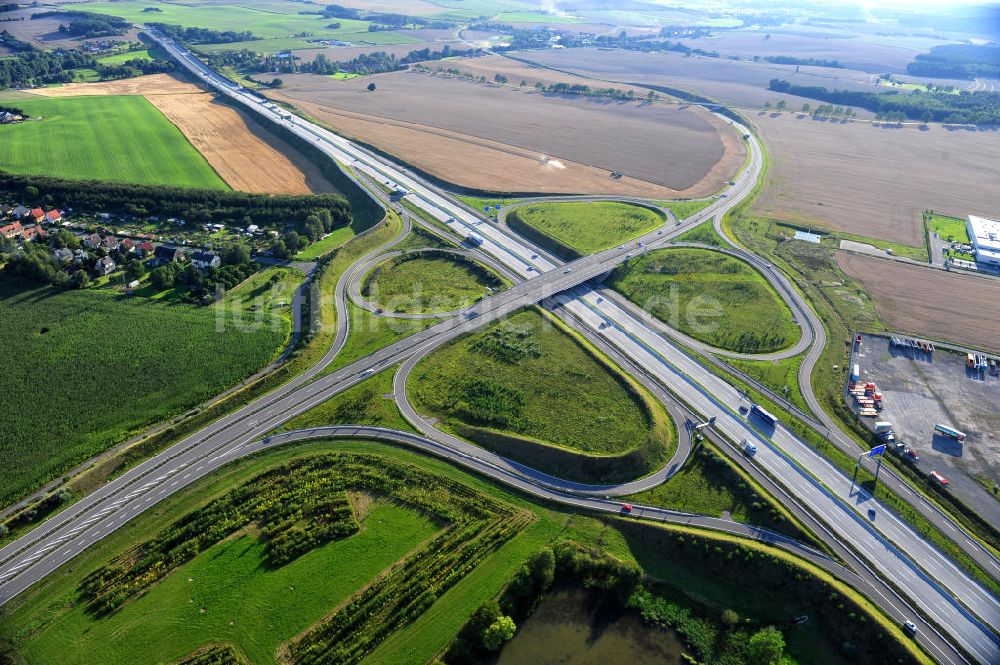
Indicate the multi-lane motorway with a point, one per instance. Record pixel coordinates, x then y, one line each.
961 608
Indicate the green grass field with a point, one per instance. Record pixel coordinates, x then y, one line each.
256 608
273 19
578 228
119 58
535 17
269 292
363 404
99 367
115 138
278 23
684 209
233 597
324 246
715 298
703 233
428 283
370 332
708 485
949 228
536 378
781 376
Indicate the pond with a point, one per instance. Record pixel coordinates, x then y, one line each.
582 627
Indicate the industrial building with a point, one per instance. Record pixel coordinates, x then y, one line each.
985 236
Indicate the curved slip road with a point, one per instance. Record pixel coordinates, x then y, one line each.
644 347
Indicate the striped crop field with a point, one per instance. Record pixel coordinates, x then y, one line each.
114 138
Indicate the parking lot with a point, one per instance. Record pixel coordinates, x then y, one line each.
920 389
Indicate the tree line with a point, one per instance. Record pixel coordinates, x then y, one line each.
959 61
364 64
963 108
197 206
185 35
382 20
710 636
88 24
812 62
34 67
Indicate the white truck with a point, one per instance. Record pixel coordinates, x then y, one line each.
884 430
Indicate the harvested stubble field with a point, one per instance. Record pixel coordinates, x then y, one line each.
492 138
742 83
887 54
246 156
515 71
874 181
930 303
44 32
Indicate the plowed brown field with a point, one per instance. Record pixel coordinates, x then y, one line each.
931 303
245 155
492 138
874 181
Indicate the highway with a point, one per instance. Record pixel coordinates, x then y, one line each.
886 543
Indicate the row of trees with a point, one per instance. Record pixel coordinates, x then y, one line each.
812 62
202 35
85 24
959 61
965 107
197 206
33 67
133 68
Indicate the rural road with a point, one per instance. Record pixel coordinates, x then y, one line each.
887 544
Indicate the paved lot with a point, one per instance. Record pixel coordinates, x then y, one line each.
921 389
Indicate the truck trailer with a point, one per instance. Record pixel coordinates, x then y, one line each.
761 413
950 432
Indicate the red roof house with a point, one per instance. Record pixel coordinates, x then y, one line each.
53 216
11 230
37 214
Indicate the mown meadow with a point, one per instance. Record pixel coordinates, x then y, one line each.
573 229
714 298
114 138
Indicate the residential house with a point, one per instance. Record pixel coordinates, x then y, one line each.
79 256
93 241
63 255
104 266
146 248
36 215
20 212
11 230
5 209
126 245
205 260
164 255
53 216
109 243
32 233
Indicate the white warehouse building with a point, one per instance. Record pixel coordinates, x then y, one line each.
985 236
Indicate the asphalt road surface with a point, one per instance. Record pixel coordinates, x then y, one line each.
960 607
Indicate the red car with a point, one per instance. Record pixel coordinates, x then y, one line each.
626 507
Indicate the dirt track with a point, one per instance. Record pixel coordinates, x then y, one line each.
245 155
487 137
930 303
